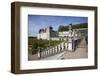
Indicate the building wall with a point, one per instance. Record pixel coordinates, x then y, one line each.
54 35
44 35
63 34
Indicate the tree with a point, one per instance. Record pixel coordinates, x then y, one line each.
34 45
63 28
76 26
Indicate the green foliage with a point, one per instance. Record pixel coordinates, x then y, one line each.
31 40
63 28
76 26
42 43
34 45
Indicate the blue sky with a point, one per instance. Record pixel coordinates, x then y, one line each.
36 22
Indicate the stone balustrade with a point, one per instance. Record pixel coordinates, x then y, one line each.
64 46
52 50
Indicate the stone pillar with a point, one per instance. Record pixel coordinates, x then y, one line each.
56 49
39 53
70 38
70 44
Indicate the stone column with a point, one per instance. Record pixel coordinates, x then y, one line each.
39 53
70 44
70 38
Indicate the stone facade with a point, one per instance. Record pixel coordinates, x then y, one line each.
48 33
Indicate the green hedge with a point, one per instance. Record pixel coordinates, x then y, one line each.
42 43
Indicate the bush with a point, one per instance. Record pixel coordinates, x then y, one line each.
42 43
34 45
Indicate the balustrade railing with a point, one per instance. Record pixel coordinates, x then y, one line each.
52 50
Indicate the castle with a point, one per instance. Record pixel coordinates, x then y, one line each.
49 34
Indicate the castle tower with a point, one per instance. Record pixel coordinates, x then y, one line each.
48 31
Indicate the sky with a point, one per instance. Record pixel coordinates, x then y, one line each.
37 22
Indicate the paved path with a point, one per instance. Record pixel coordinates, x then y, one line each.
35 57
57 56
80 52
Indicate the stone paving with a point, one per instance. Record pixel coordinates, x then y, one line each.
80 52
